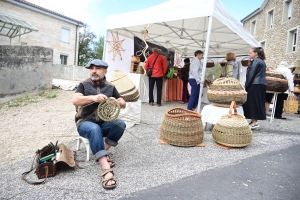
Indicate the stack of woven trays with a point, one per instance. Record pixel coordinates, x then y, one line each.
232 130
225 90
125 86
182 127
276 82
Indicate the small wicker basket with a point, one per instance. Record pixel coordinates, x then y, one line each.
232 130
182 127
246 62
135 59
225 90
223 63
210 63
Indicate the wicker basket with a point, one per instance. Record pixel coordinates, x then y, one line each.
181 127
232 130
135 59
223 63
276 82
210 63
140 70
246 62
125 86
225 90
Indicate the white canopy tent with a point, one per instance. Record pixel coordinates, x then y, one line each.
187 26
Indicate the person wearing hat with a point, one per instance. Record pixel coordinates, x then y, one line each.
283 68
87 97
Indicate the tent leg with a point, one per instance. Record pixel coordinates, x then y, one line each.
204 61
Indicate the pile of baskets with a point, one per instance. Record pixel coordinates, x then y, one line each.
225 90
182 127
276 82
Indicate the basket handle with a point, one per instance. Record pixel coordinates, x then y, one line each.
210 60
246 57
291 97
232 106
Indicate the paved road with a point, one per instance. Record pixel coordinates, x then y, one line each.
274 175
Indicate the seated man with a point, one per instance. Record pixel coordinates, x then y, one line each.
87 97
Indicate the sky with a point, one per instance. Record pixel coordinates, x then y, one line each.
94 12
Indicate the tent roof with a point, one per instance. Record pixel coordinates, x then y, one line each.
182 25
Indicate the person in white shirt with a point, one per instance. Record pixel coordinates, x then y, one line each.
283 68
194 80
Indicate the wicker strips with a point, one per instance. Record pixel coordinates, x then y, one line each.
108 110
232 130
125 86
181 127
225 90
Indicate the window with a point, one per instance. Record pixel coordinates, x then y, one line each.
263 45
63 59
287 10
292 40
65 32
253 27
270 20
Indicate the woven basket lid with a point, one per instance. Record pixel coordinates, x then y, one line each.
124 85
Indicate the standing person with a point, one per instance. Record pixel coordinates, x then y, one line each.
255 86
283 68
159 65
195 74
185 80
87 97
231 69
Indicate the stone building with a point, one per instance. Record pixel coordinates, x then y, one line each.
52 29
276 25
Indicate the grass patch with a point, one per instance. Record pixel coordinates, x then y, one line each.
27 99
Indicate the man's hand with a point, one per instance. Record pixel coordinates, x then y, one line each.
99 97
121 102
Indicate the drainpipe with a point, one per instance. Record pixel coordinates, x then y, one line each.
75 58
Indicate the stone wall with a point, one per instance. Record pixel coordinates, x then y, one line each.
70 72
276 39
24 69
49 31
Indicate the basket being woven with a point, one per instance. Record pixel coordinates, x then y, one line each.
181 127
225 90
276 82
125 86
232 130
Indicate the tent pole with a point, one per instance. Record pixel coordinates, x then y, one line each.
204 62
104 48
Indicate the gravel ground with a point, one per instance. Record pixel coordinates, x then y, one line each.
141 162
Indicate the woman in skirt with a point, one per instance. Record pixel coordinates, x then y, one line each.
255 86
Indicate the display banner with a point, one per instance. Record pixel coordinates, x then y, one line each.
139 45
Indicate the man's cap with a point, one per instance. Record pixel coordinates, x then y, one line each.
98 63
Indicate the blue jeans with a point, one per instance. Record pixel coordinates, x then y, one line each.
195 90
95 132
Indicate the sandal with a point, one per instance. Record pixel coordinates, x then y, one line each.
111 162
106 180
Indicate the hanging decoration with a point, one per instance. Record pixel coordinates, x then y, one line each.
178 58
116 45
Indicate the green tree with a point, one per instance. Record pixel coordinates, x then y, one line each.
86 42
98 48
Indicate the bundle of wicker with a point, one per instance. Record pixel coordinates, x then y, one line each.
125 86
225 90
232 130
276 82
181 127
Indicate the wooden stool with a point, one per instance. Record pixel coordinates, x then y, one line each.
87 145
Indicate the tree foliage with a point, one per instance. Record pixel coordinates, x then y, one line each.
98 48
85 50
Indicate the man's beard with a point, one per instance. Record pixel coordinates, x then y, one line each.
96 77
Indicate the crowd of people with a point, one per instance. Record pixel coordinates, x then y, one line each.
96 88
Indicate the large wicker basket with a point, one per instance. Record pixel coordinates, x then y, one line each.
232 130
181 127
225 90
276 82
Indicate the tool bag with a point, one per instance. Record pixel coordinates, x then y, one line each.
48 160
